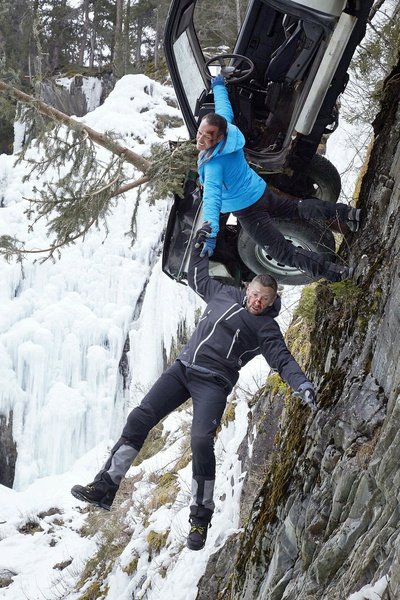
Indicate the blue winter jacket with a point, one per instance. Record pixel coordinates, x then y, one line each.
229 183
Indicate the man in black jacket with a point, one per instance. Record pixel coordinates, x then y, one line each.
235 327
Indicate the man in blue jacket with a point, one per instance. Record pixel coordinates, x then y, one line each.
230 185
236 326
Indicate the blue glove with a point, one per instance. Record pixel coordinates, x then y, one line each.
217 80
208 247
202 234
307 395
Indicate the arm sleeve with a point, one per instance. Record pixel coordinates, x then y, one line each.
277 355
198 277
212 194
222 103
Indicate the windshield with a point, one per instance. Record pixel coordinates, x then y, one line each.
189 71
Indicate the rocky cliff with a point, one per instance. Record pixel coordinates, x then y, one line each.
326 517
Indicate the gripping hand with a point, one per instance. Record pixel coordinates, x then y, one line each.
217 80
203 239
208 247
307 395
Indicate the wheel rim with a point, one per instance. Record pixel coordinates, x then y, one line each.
318 190
273 266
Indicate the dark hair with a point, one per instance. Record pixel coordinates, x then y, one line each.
218 121
266 281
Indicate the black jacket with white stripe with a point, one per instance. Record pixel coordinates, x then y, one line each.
228 336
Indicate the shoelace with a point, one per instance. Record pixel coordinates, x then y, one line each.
198 528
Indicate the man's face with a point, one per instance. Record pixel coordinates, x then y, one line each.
258 297
207 136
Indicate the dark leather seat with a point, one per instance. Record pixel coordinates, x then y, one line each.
290 61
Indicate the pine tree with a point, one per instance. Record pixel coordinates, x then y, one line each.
84 195
373 61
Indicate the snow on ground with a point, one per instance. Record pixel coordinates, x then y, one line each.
371 592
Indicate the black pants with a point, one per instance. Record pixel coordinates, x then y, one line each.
172 389
256 220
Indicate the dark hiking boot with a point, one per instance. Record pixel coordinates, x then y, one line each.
100 493
353 220
196 539
199 520
336 273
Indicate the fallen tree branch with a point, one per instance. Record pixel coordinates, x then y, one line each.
122 151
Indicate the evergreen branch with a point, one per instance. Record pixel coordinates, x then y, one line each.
372 56
68 207
9 247
169 167
103 140
130 186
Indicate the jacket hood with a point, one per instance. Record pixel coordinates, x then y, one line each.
233 141
272 311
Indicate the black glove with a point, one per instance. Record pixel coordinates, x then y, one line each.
202 234
307 395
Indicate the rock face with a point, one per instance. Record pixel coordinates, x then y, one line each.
326 516
8 451
73 101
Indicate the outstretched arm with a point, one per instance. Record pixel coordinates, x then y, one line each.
221 98
212 194
198 276
277 355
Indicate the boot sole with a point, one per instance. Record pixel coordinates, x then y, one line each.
81 497
194 547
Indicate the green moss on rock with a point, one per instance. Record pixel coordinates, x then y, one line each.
156 540
131 567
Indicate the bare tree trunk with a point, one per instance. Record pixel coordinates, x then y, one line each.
126 35
92 47
117 58
157 38
54 59
139 29
85 29
238 16
135 159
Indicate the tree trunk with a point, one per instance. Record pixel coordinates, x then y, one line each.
139 35
85 29
118 60
238 16
126 46
135 159
157 38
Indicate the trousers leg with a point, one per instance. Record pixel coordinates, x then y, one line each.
169 392
314 208
307 209
209 401
256 220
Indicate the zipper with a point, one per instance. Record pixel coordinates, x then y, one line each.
240 360
212 331
235 337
